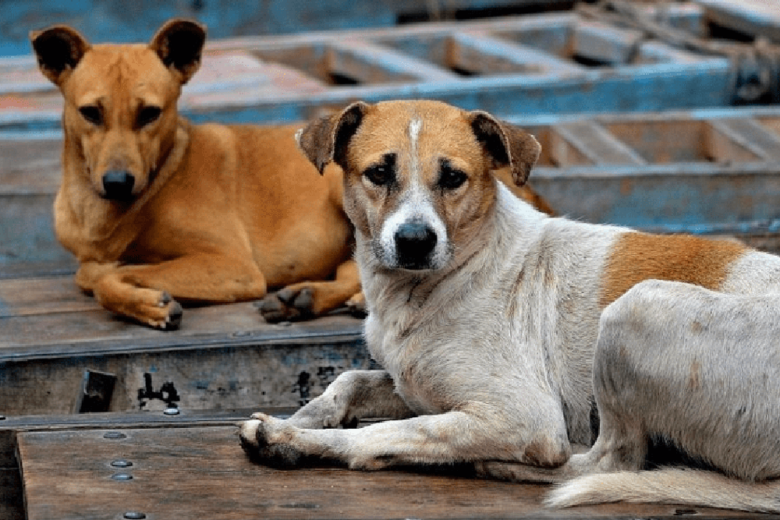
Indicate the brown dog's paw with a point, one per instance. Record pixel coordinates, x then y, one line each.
287 305
357 305
261 438
164 314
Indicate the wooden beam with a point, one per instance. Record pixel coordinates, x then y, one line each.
371 63
202 473
753 17
597 145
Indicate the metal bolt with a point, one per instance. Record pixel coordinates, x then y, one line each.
114 435
171 411
121 463
121 476
134 515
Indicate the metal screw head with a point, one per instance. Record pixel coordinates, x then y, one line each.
114 435
121 476
171 411
121 463
134 515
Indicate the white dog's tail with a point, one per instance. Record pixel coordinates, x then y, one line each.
669 486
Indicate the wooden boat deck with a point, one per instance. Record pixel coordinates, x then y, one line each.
704 171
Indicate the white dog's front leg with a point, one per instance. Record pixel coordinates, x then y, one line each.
353 395
455 436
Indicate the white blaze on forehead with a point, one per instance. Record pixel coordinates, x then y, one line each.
415 127
414 132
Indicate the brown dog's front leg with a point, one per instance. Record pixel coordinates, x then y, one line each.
146 292
309 299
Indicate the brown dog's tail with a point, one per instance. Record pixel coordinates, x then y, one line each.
669 486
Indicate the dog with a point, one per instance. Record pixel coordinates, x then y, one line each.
504 334
157 210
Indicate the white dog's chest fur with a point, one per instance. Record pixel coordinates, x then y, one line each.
521 313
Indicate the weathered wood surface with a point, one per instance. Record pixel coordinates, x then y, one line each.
532 64
700 171
202 473
222 357
756 18
122 21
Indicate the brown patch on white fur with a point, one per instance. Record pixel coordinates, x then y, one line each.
640 256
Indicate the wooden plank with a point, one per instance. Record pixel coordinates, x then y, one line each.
482 54
597 145
697 197
36 296
676 82
222 356
202 473
605 44
371 63
753 17
120 22
743 139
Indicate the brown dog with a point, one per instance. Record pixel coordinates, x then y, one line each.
155 208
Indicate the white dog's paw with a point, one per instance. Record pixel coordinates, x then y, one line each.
268 441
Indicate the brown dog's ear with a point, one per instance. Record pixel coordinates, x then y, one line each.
59 49
506 144
326 139
179 44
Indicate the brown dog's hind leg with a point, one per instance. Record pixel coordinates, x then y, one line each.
309 299
146 292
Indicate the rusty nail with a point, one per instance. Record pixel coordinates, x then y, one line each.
121 476
121 463
114 435
134 515
171 411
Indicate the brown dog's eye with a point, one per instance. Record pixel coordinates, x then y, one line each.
148 115
450 178
92 114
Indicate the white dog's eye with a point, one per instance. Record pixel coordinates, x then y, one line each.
450 178
383 173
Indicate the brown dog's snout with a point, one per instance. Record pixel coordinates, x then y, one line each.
118 185
414 245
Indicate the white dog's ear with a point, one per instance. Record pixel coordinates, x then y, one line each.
179 44
59 49
326 139
506 144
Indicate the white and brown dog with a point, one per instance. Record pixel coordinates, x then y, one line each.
489 320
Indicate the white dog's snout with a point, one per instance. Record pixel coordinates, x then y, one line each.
414 237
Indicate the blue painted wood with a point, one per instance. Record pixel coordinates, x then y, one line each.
423 61
123 21
700 171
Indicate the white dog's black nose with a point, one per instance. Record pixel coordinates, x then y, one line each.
118 185
414 245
